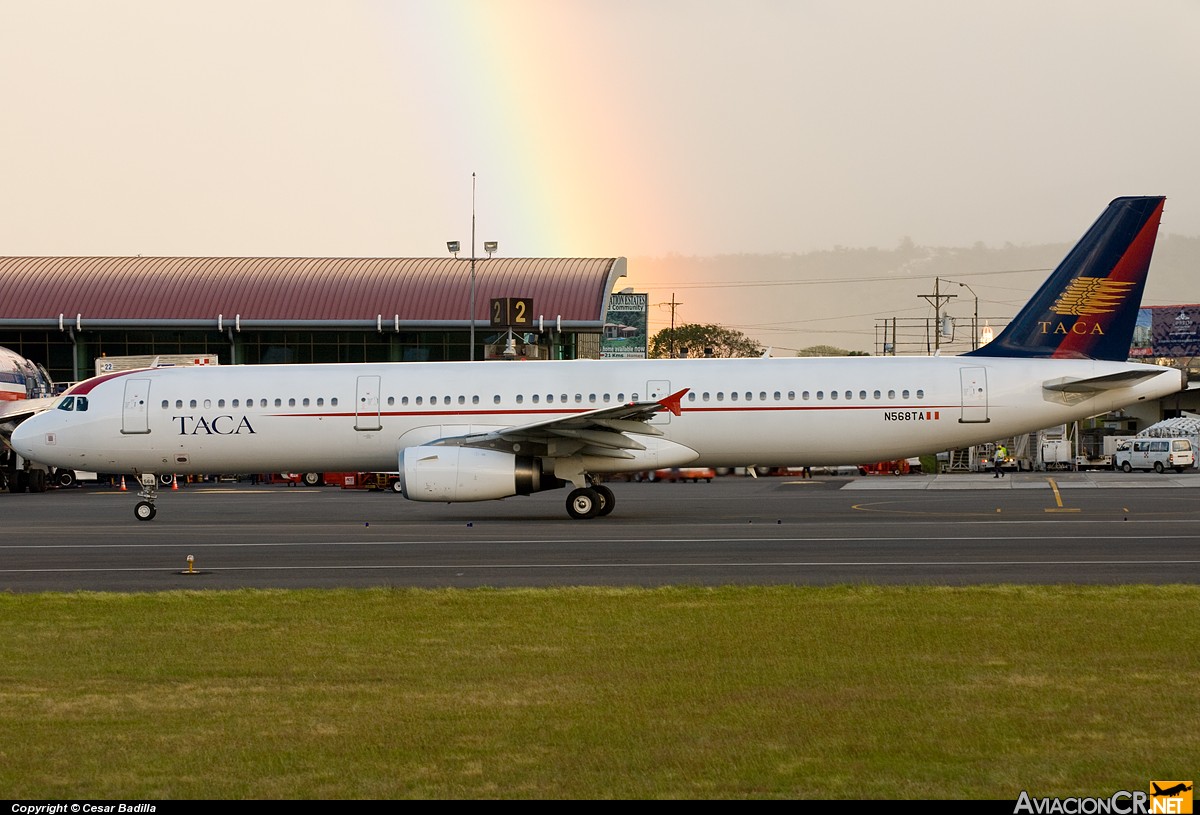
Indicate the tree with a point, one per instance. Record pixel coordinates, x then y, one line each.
695 340
829 351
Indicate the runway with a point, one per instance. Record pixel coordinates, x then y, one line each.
1030 528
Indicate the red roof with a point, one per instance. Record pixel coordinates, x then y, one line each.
422 290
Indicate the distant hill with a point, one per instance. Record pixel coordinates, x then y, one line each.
835 297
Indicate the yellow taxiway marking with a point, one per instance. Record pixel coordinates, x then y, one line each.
1058 499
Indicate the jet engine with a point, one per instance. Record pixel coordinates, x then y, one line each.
435 473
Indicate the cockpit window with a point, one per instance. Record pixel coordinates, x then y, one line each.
68 403
81 403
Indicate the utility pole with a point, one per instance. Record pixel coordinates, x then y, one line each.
936 300
674 352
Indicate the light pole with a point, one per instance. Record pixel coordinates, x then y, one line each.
975 320
489 247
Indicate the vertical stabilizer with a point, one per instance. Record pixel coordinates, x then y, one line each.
1090 304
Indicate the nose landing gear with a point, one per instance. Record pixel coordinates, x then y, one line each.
144 510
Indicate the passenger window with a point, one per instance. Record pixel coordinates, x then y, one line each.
390 400
193 403
235 402
165 404
904 393
833 394
849 394
333 401
820 395
805 395
606 398
207 404
496 399
262 403
179 403
763 395
462 400
475 399
720 396
220 403
920 393
292 402
733 396
321 401
278 402
777 396
420 400
537 398
792 396
877 394
862 395
891 394
706 396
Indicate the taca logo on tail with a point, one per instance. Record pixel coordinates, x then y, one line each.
1088 307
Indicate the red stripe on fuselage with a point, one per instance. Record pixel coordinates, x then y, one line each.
87 385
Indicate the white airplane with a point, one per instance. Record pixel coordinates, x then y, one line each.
25 389
475 431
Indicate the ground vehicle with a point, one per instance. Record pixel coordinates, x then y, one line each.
1154 454
692 474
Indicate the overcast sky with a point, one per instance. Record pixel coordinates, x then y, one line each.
634 128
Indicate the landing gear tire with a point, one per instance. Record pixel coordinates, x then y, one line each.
66 478
583 503
144 511
37 480
311 479
608 501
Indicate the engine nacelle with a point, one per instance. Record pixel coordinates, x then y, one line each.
435 473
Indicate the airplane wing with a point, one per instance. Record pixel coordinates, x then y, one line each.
603 432
1108 382
15 412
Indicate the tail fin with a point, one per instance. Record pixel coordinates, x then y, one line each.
1089 306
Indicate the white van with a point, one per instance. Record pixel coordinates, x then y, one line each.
1154 454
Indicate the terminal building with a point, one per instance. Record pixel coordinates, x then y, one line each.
71 314
68 312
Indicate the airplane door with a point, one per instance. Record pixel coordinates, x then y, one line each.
366 406
135 414
974 394
657 389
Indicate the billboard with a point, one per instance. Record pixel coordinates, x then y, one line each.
625 327
1166 331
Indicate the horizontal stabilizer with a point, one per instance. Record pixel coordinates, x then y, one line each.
1108 382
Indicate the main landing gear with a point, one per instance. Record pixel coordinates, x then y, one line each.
590 502
144 510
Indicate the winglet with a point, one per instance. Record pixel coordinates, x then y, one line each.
671 402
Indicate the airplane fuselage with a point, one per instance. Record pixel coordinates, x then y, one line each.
785 411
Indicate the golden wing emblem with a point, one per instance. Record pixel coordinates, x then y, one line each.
1091 295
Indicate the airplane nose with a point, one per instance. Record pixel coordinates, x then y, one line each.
25 439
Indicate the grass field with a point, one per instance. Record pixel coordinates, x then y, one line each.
682 693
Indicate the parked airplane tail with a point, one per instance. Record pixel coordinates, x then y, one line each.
1089 306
